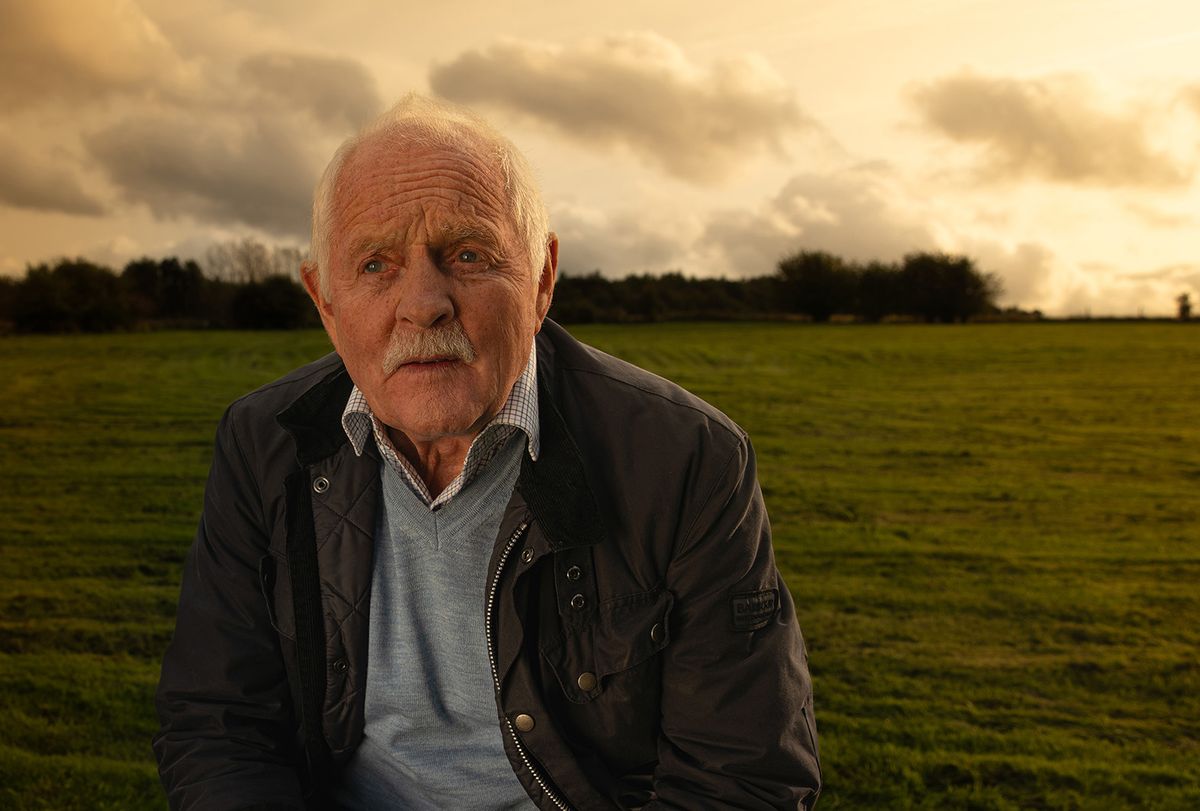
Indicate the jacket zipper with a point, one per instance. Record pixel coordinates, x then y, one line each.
491 605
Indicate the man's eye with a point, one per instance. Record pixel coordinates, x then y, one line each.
373 266
469 256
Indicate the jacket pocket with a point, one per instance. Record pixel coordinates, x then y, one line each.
628 632
276 588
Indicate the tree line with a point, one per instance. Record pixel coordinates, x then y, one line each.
244 285
813 285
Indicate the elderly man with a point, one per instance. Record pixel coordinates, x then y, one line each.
454 552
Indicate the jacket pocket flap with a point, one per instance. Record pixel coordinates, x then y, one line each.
628 631
276 586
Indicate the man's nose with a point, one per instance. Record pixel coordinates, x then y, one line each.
424 299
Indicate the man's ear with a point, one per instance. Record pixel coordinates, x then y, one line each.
545 289
312 283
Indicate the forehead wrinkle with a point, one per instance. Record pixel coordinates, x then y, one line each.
467 231
416 165
398 197
438 223
467 171
370 244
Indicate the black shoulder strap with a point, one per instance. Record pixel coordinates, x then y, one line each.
310 625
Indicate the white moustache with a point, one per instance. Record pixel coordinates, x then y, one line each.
444 343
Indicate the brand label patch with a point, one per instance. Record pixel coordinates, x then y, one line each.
754 609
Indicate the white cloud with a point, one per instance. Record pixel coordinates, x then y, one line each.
637 92
338 93
55 51
1103 289
214 136
861 213
230 170
1157 217
1053 128
618 244
116 251
1026 270
1178 274
42 180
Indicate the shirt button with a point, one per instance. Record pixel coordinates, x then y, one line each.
524 723
320 484
578 601
527 555
340 665
574 573
586 681
657 633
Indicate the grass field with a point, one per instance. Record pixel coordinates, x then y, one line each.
992 533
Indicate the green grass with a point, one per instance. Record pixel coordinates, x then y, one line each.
991 533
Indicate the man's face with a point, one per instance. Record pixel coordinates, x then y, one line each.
421 242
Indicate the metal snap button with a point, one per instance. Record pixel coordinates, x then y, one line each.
340 665
586 681
657 633
320 484
574 573
578 601
527 555
524 723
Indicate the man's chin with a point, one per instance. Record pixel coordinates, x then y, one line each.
431 426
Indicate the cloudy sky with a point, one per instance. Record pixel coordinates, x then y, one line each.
1056 142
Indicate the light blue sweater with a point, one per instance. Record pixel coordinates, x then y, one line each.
432 738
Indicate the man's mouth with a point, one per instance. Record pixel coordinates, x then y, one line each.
427 362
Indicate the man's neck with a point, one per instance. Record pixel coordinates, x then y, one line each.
437 461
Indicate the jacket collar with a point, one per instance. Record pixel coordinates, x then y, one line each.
555 487
314 418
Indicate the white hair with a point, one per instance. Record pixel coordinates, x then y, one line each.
421 121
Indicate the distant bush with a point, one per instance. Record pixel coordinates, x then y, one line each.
8 303
924 286
818 284
166 290
75 295
946 288
72 296
274 303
